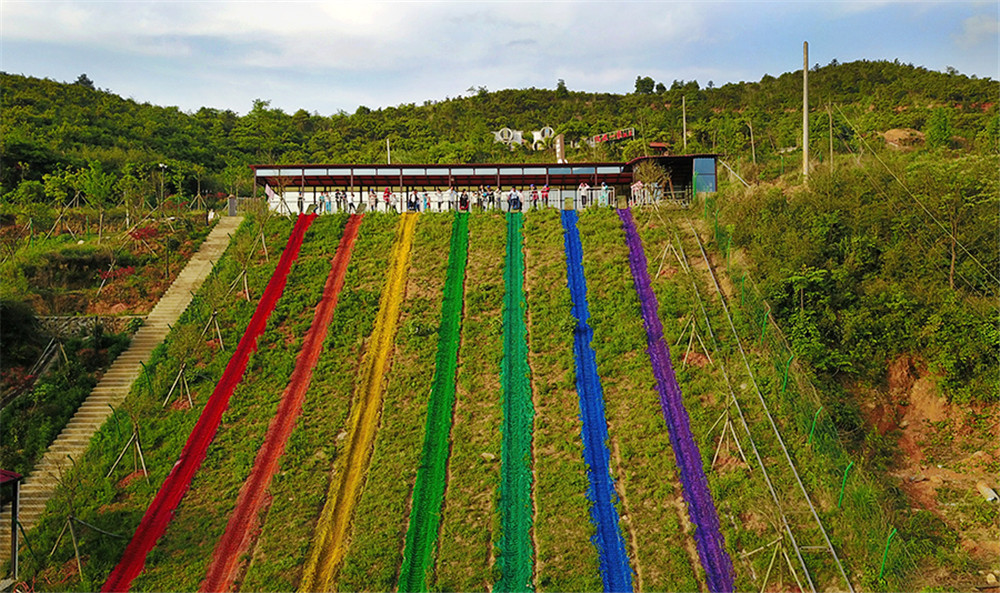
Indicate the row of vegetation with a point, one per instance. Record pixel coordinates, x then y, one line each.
825 436
566 558
71 261
318 440
653 511
115 504
62 141
181 557
654 526
470 517
382 515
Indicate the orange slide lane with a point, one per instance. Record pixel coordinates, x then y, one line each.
161 510
330 539
240 533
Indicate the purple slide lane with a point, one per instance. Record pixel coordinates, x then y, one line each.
701 509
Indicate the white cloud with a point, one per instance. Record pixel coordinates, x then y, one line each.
978 30
325 55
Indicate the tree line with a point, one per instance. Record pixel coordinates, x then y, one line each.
61 139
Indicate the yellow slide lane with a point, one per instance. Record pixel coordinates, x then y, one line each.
330 539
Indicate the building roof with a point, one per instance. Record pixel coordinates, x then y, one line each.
9 476
445 175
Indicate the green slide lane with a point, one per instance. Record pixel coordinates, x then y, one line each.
428 491
516 550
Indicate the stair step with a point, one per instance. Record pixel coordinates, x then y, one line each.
115 384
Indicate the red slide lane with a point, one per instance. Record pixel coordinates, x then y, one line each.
161 510
237 539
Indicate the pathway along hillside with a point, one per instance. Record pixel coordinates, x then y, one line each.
516 550
701 508
244 520
428 491
615 569
160 511
330 539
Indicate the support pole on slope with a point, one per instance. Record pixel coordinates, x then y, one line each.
805 110
181 379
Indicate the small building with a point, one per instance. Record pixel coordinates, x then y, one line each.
297 188
10 484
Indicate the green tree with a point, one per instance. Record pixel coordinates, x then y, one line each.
939 130
644 85
97 185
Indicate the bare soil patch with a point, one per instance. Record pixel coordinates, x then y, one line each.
946 451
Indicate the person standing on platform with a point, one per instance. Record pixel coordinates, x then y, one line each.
372 200
545 195
533 196
387 198
584 188
604 194
463 201
514 200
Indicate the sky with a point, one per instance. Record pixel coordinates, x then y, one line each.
333 56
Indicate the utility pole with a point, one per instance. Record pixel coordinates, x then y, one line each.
388 155
684 117
829 115
805 110
163 172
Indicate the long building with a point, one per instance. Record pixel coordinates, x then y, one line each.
296 188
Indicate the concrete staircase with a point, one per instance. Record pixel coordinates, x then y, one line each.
39 486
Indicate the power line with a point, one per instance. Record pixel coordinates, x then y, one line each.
915 199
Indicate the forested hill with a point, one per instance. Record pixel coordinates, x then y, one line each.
50 127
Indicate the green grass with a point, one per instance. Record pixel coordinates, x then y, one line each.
566 559
428 491
111 504
470 517
299 487
180 557
642 460
373 559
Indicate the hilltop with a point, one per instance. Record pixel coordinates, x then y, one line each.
51 126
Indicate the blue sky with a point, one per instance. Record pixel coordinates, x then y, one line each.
329 56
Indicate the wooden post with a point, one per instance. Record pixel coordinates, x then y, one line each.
13 527
684 120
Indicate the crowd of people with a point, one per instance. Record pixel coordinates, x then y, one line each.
483 198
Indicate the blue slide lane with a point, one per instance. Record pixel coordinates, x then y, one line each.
701 509
615 570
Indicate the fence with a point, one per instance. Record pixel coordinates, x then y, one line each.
808 426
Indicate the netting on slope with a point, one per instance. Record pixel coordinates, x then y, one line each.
616 573
701 508
154 521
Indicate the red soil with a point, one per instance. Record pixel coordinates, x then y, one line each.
243 526
161 510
